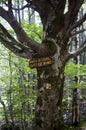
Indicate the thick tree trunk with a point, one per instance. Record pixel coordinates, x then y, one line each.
48 108
49 98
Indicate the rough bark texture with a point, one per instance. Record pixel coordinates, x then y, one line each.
75 116
50 86
48 108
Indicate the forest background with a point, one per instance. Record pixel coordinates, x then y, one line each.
18 83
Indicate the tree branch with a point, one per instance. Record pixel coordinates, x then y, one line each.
12 39
76 24
22 52
21 35
10 6
58 6
6 33
83 44
73 9
23 7
78 32
76 53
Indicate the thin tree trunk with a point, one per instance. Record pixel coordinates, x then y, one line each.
5 111
10 93
76 115
75 105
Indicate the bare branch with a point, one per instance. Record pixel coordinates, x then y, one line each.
78 32
22 52
74 6
76 53
73 9
83 44
6 33
76 24
23 7
14 41
10 6
21 35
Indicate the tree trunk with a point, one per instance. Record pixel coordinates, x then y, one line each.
75 116
48 108
75 106
75 102
49 97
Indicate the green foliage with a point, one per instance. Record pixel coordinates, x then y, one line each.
73 70
33 30
16 86
3 1
18 82
82 126
78 85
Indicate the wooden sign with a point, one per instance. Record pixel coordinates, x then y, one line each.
41 62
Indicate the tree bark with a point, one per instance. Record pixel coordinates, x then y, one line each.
75 111
48 114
